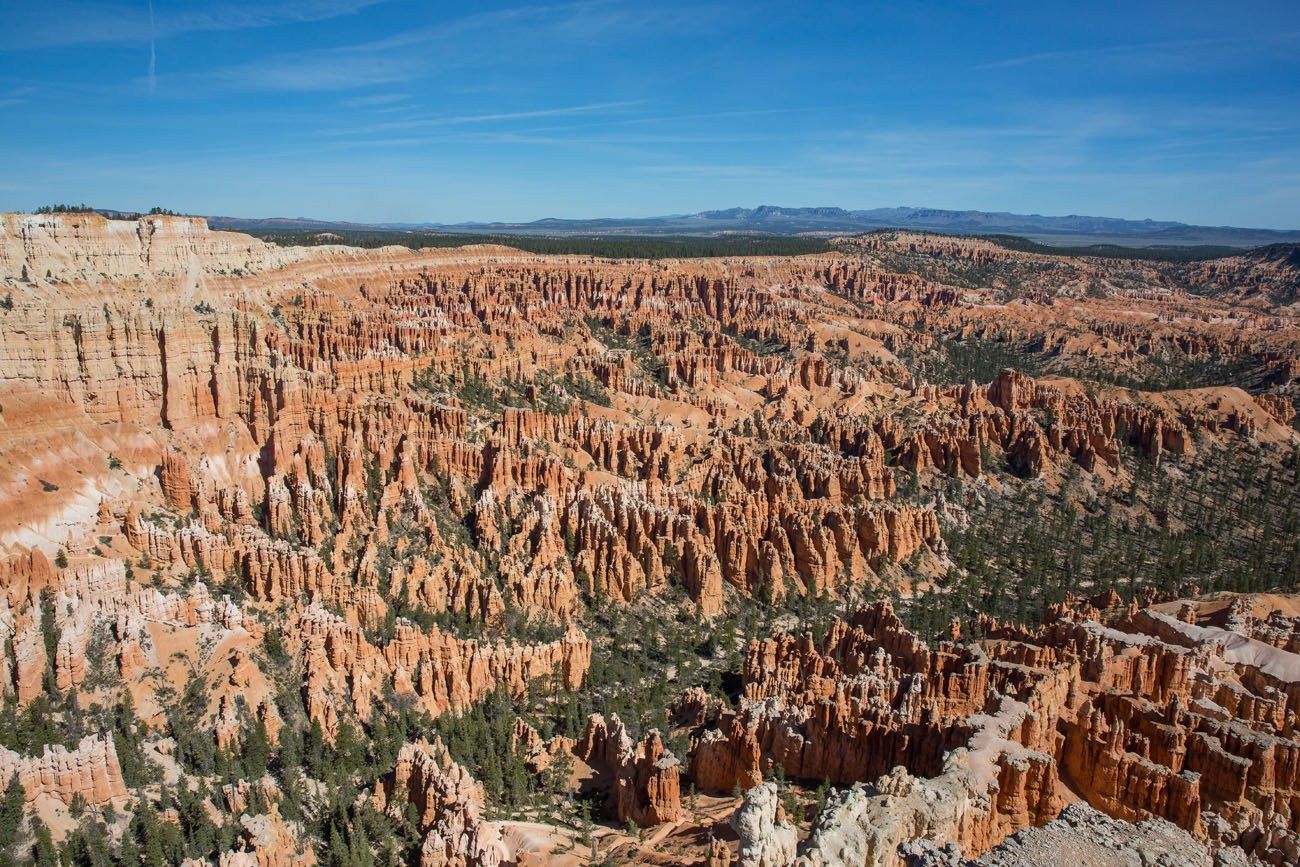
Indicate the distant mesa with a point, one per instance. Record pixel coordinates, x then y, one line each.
774 220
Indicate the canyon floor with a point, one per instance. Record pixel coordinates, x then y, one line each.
922 551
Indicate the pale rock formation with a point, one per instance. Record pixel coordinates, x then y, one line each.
449 803
91 771
766 838
266 840
1083 835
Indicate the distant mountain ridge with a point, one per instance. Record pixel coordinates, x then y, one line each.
776 220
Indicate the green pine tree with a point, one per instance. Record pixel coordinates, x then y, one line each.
257 751
11 811
44 853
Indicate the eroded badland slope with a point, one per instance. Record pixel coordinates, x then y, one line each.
921 551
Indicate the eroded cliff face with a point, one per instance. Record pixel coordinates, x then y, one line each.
325 393
449 806
265 491
70 248
1151 718
345 672
89 772
643 780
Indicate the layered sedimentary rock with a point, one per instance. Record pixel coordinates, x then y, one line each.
1153 718
643 779
1083 835
304 398
767 839
345 478
870 698
266 840
346 672
90 772
1269 275
449 804
36 246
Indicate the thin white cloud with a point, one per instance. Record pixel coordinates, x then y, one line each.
714 171
569 22
304 73
17 96
476 40
153 53
375 100
562 111
493 117
389 60
53 23
1130 48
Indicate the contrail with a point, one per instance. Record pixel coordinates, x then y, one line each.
153 56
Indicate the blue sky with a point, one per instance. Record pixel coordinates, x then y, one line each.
373 110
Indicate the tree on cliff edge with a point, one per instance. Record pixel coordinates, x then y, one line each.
11 810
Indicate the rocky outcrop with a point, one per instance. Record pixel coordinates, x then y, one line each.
88 246
1083 835
90 771
767 839
24 575
345 672
414 471
449 804
642 779
1154 718
984 791
266 840
869 698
